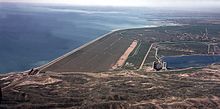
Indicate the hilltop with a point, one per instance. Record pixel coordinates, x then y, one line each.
195 88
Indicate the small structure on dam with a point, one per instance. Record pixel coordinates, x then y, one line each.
212 48
159 64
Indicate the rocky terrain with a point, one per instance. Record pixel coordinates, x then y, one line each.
195 88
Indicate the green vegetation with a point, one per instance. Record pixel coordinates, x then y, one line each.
197 29
136 57
182 48
150 58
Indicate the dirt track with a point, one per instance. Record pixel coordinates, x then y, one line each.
124 57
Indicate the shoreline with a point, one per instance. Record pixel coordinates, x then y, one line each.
42 67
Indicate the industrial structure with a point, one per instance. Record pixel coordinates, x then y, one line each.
212 48
159 64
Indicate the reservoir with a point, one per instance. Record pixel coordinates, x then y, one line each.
179 62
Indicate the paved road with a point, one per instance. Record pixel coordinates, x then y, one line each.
145 57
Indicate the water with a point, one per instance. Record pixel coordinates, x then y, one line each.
33 34
177 62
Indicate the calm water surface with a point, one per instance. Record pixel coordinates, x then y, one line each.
176 62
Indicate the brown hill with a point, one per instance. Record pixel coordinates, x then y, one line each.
113 90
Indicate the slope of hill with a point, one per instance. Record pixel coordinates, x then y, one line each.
195 88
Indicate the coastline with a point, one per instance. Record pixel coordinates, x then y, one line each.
42 67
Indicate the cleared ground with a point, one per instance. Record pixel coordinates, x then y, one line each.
124 57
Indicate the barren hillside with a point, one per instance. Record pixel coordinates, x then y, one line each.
195 88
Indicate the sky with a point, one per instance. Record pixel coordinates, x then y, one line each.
136 3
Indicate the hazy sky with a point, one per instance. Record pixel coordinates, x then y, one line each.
147 3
